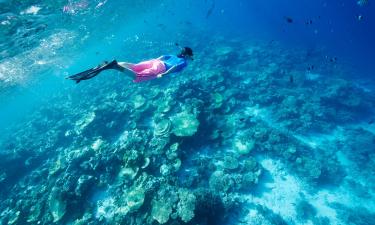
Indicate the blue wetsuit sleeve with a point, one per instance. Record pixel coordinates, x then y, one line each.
166 57
180 65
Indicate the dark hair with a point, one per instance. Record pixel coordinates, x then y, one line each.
186 51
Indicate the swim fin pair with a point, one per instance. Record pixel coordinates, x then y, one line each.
90 73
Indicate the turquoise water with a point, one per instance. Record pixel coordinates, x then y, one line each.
271 123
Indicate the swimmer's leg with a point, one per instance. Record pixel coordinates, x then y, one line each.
126 66
90 73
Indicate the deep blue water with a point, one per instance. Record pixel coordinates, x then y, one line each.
272 123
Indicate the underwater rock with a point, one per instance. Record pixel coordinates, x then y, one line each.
132 158
172 152
161 210
344 93
256 218
292 149
262 215
57 205
77 156
250 179
128 173
185 124
34 213
230 163
98 143
157 144
146 163
9 215
57 166
3 176
310 168
210 208
130 139
223 50
271 68
163 128
139 101
215 134
250 165
165 170
192 105
152 93
176 164
243 147
106 209
220 182
133 200
13 217
305 211
84 220
163 105
186 205
83 184
81 124
217 100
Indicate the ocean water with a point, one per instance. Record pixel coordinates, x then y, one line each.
272 122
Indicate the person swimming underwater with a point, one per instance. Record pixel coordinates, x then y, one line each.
146 70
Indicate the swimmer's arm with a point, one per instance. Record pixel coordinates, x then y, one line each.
166 72
164 57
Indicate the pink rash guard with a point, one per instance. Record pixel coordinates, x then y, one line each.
148 70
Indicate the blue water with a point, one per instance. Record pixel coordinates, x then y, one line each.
271 123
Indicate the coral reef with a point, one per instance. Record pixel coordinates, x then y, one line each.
188 151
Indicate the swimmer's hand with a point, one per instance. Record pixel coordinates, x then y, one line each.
166 72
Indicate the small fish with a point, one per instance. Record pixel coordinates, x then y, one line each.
308 22
171 12
288 19
310 68
242 119
362 2
291 79
333 59
162 26
359 17
210 10
371 121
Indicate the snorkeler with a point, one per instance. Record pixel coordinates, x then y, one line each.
146 70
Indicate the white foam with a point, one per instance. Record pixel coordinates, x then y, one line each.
31 10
